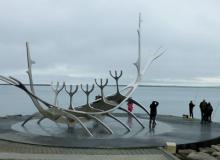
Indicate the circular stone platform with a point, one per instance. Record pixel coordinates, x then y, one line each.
50 128
168 128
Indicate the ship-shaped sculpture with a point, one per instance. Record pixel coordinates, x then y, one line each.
94 111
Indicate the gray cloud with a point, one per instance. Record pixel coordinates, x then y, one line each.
73 39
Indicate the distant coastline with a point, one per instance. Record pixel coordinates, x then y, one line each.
3 84
180 86
141 85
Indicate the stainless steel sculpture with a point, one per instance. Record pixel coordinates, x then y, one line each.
94 111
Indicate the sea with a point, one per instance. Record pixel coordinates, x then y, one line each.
173 100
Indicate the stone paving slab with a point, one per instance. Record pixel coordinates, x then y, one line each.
6 146
18 151
19 156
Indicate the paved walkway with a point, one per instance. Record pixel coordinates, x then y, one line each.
14 147
79 157
18 151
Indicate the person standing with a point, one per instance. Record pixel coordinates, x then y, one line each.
209 111
203 106
130 106
191 106
153 114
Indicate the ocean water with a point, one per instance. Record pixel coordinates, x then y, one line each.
173 100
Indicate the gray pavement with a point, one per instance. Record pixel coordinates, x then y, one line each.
14 147
81 157
18 151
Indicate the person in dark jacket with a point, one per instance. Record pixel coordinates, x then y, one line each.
191 106
203 106
153 114
209 110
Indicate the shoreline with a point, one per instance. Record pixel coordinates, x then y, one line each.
141 85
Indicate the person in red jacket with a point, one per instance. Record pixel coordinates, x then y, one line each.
130 106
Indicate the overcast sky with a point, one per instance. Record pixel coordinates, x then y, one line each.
82 40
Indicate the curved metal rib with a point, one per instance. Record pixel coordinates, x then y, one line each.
42 118
71 116
33 96
135 117
8 80
113 117
139 105
102 123
28 119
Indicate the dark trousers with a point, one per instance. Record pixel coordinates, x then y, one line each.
202 116
152 122
191 113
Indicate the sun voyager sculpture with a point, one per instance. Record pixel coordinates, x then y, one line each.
91 111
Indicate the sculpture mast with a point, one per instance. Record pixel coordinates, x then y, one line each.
139 43
138 63
29 72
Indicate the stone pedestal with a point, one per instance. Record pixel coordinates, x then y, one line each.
170 147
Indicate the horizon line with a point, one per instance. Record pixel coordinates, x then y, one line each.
141 85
